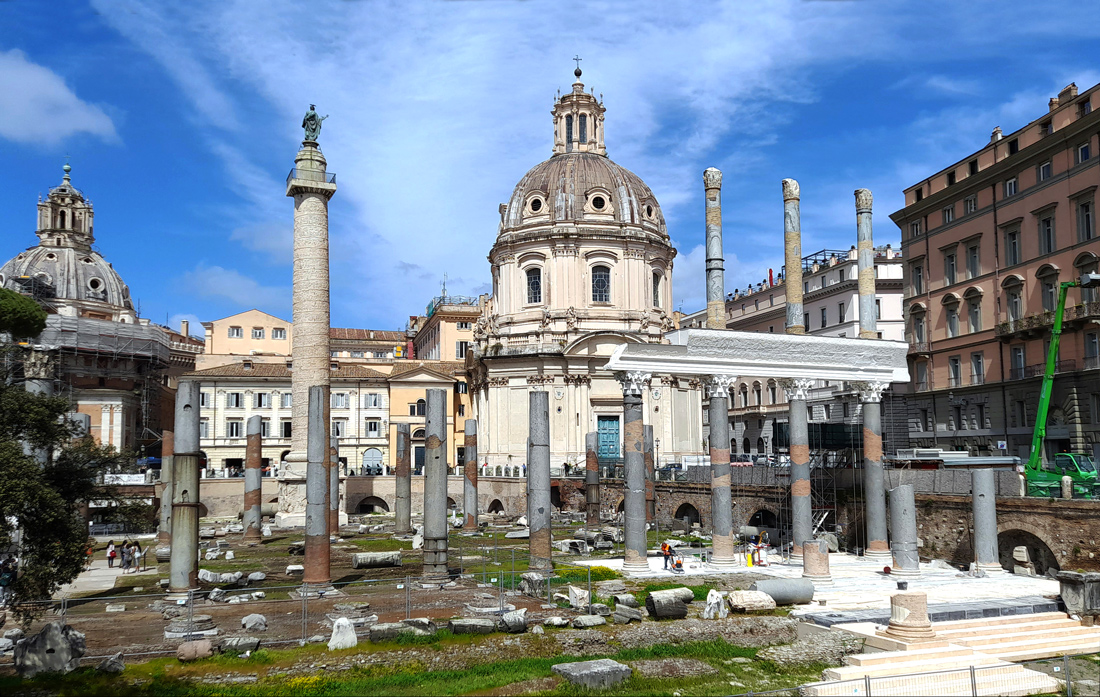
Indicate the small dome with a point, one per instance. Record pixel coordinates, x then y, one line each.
576 187
72 275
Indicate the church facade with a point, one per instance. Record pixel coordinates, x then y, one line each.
582 264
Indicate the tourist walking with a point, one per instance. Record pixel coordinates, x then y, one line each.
127 557
7 578
137 553
111 554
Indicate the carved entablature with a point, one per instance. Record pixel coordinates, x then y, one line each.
578 380
540 379
498 382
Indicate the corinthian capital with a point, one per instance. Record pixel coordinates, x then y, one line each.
633 381
719 385
790 190
797 388
870 392
863 200
712 178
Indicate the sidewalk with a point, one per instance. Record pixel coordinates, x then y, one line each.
98 577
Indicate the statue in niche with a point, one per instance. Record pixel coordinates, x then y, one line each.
312 123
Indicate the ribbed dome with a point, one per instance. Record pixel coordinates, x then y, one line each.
72 274
582 187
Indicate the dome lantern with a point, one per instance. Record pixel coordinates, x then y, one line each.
578 121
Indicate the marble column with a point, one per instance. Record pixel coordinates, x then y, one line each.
903 532
798 391
538 480
318 570
333 498
983 499
636 557
435 486
592 480
650 475
792 257
183 573
865 265
874 484
167 446
723 555
716 283
469 487
252 478
402 482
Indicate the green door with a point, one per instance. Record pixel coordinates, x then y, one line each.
608 429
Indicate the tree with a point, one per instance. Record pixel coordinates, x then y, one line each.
41 503
20 316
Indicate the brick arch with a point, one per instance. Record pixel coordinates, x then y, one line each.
770 510
1005 530
352 504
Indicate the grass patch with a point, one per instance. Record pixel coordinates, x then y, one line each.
572 574
382 545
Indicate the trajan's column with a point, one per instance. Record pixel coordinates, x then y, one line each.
312 187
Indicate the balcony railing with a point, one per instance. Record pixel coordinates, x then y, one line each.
310 175
954 381
918 347
1042 320
977 378
922 385
1032 371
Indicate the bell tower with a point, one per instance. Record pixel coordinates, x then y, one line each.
65 217
578 121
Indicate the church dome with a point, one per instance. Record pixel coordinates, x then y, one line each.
582 187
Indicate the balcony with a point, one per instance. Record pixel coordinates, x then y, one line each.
1040 323
922 386
918 347
977 378
954 381
311 176
1033 371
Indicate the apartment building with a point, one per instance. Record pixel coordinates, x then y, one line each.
987 242
446 329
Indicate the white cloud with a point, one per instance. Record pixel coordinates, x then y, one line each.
245 293
194 328
275 239
40 108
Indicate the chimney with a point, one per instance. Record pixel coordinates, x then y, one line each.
185 326
716 281
996 135
865 263
792 247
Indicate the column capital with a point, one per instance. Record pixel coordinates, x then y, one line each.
870 392
719 385
797 388
864 200
633 381
712 178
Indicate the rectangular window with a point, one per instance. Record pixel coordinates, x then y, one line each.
204 400
257 332
981 416
234 400
1086 221
973 261
970 204
1046 235
380 354
234 428
806 320
840 312
840 276
1045 170
924 420
339 428
845 409
374 428
918 280
952 321
339 400
462 388
1084 152
1010 187
1015 305
824 317
954 371
977 369
1050 295
949 268
972 167
1096 408
827 411
236 333
534 285
286 400
569 132
914 228
948 214
584 128
284 428
204 428
261 400
1092 351
1019 359
878 308
1021 414
265 428
356 354
957 418
1012 247
278 333
601 284
951 179
1013 146
462 410
1046 128
1084 109
918 329
656 289
463 325
922 376
372 400
460 348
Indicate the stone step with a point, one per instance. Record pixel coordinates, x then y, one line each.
903 666
1000 621
1009 680
1026 651
953 633
894 657
1070 633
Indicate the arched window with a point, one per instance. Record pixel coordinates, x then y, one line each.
601 284
744 392
61 219
421 406
1048 280
584 128
1087 263
534 285
568 133
756 393
760 447
973 311
772 392
656 289
746 446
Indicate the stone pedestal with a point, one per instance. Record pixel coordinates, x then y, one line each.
815 562
909 617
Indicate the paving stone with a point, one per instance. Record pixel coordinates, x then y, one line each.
594 675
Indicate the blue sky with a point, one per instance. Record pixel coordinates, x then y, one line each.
182 120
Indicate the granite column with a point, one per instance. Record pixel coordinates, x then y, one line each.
592 480
538 480
874 484
636 558
903 532
801 502
435 486
983 496
253 450
183 573
792 256
318 570
402 482
469 480
723 554
865 265
716 283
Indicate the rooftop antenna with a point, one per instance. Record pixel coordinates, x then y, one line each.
444 285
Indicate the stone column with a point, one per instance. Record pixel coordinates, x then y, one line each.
252 479
815 561
38 380
650 475
469 489
167 446
792 256
318 572
723 554
435 486
311 189
865 263
592 480
903 532
636 557
874 484
909 617
983 498
716 283
538 479
183 573
333 498
403 482
801 505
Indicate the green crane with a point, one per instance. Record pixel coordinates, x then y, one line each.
1045 478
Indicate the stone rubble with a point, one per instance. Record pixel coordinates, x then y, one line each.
593 675
57 648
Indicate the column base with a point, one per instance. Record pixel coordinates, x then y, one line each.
905 574
637 568
882 556
725 564
992 569
819 580
317 590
